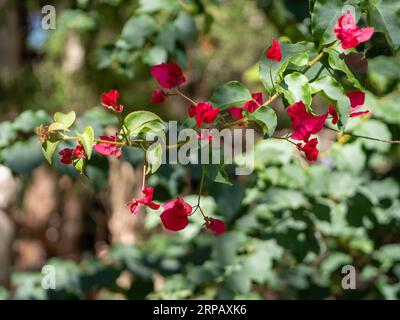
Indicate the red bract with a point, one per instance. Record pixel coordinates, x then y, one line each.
310 149
303 123
348 32
79 152
203 113
333 113
275 51
159 96
357 99
168 75
66 156
146 200
110 101
107 149
175 214
236 112
216 226
250 106
254 104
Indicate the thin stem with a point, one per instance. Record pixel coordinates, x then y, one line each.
70 138
364 137
185 96
122 124
272 81
285 138
202 213
273 97
201 187
116 143
234 123
144 175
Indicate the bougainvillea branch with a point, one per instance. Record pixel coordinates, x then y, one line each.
283 69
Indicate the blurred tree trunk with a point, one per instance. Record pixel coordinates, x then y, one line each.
9 189
125 184
10 36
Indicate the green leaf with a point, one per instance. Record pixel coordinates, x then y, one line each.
232 93
239 281
139 121
154 157
149 6
293 55
67 119
298 89
334 261
55 126
87 140
225 248
23 156
338 64
323 18
266 118
185 27
384 16
137 28
217 173
48 149
7 133
329 88
79 164
154 55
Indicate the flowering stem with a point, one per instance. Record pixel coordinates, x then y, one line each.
117 143
185 96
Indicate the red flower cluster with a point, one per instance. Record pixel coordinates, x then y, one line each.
251 106
348 32
107 149
67 155
110 101
274 52
175 217
203 112
304 125
146 200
